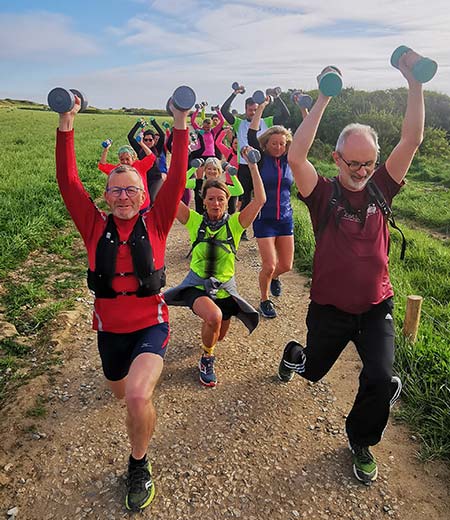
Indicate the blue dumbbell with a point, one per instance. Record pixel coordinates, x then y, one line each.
183 98
253 156
423 69
107 142
236 86
62 100
330 81
258 96
301 99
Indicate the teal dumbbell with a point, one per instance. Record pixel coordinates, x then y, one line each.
330 81
423 69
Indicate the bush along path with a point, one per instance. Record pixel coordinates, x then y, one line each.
251 448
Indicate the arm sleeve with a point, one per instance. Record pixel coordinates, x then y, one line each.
220 144
193 120
253 139
236 189
106 168
225 109
166 204
217 129
132 139
169 142
282 110
79 204
190 179
160 145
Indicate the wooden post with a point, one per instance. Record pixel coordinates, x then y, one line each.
412 317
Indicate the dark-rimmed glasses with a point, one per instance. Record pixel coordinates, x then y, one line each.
131 191
354 166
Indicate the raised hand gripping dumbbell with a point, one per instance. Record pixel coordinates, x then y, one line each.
62 100
197 163
253 155
215 108
301 99
183 98
273 92
258 96
423 69
107 143
330 81
237 87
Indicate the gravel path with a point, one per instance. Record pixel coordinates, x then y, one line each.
252 448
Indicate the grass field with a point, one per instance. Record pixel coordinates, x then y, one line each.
42 262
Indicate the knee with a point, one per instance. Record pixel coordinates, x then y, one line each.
284 266
268 268
137 402
213 319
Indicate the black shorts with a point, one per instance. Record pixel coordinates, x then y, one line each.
227 305
118 351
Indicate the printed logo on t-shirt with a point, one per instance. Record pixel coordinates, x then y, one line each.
388 316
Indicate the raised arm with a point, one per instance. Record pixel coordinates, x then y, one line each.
144 147
399 161
132 136
305 174
194 119
104 157
160 145
249 213
217 129
225 108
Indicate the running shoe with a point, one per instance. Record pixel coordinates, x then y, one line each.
293 360
267 309
364 464
207 373
275 287
140 486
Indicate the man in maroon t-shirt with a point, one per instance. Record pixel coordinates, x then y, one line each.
351 294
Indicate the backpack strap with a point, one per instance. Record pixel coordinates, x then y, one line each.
201 237
336 196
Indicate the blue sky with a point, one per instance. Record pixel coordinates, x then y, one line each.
134 53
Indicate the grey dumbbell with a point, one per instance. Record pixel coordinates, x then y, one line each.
237 86
62 100
232 170
215 108
183 98
423 69
273 92
234 112
253 156
197 163
301 99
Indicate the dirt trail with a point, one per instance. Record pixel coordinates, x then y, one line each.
252 448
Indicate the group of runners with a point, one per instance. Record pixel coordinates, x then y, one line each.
351 294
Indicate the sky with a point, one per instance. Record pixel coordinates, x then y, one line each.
134 53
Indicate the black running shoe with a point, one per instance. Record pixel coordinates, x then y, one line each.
287 367
140 486
267 309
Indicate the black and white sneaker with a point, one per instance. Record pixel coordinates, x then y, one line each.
140 486
293 361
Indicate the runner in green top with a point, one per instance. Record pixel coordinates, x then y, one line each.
210 289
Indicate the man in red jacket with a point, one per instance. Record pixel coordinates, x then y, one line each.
126 252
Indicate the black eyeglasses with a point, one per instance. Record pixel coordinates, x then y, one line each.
131 191
354 166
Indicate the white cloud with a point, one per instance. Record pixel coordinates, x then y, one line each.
42 36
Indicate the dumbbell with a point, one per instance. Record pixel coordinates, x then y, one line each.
227 167
234 112
142 122
166 125
236 86
258 96
273 92
330 81
107 142
197 163
215 108
301 99
253 156
62 100
423 69
183 98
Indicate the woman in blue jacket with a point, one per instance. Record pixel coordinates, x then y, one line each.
273 228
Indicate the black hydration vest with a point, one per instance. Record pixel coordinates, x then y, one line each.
375 197
100 281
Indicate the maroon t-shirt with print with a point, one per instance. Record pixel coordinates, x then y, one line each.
350 268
